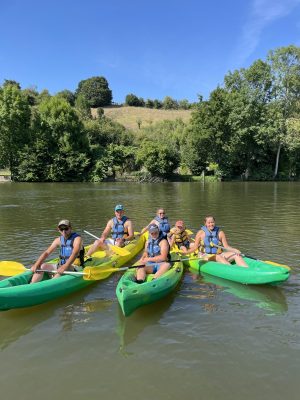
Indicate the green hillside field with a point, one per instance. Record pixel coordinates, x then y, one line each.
131 117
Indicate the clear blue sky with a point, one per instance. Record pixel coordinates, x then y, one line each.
150 48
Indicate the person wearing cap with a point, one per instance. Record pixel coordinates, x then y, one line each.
156 255
178 236
121 229
71 252
161 220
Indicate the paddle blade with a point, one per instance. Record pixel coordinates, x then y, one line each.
10 268
119 250
97 274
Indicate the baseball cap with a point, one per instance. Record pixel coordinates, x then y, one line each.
180 224
65 222
153 228
119 207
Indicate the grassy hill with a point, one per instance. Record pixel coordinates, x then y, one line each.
131 116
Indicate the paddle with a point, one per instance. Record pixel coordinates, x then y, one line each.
10 268
95 273
248 256
118 250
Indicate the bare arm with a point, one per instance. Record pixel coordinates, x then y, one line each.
196 244
106 231
130 233
144 255
45 254
146 227
223 239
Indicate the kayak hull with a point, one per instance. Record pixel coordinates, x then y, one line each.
16 292
257 273
132 295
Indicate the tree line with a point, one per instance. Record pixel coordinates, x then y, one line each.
248 128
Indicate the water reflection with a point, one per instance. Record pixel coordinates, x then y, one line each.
75 314
130 328
270 298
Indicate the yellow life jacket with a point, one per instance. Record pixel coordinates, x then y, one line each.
180 237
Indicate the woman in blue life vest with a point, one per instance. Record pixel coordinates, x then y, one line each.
119 227
156 255
161 220
207 240
71 252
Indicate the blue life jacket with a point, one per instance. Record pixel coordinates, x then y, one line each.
211 236
153 248
66 249
164 225
118 227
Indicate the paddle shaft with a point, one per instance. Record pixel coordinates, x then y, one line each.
227 249
138 266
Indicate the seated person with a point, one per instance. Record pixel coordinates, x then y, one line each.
161 220
208 241
71 252
178 236
156 255
121 230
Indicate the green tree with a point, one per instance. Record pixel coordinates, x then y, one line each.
133 101
32 95
8 82
285 68
95 91
14 125
67 95
157 158
69 153
169 103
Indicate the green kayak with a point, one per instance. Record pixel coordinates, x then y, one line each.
132 295
257 273
16 292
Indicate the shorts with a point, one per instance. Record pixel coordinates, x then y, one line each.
154 265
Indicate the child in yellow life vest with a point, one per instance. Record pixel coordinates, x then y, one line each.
179 236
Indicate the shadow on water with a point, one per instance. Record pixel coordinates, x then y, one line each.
270 298
130 328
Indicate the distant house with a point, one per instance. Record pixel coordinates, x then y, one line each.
5 176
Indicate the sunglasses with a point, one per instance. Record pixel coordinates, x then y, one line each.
162 213
64 228
151 233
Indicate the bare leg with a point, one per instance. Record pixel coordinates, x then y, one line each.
225 258
141 273
97 245
38 276
164 267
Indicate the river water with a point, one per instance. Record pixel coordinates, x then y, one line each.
211 339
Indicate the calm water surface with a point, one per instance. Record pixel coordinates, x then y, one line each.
212 339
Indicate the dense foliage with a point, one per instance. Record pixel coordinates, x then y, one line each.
249 128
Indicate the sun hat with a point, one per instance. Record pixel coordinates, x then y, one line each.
65 222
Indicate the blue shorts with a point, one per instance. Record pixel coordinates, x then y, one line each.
154 265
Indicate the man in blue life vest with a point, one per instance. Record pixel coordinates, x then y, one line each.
121 229
156 255
161 220
71 252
